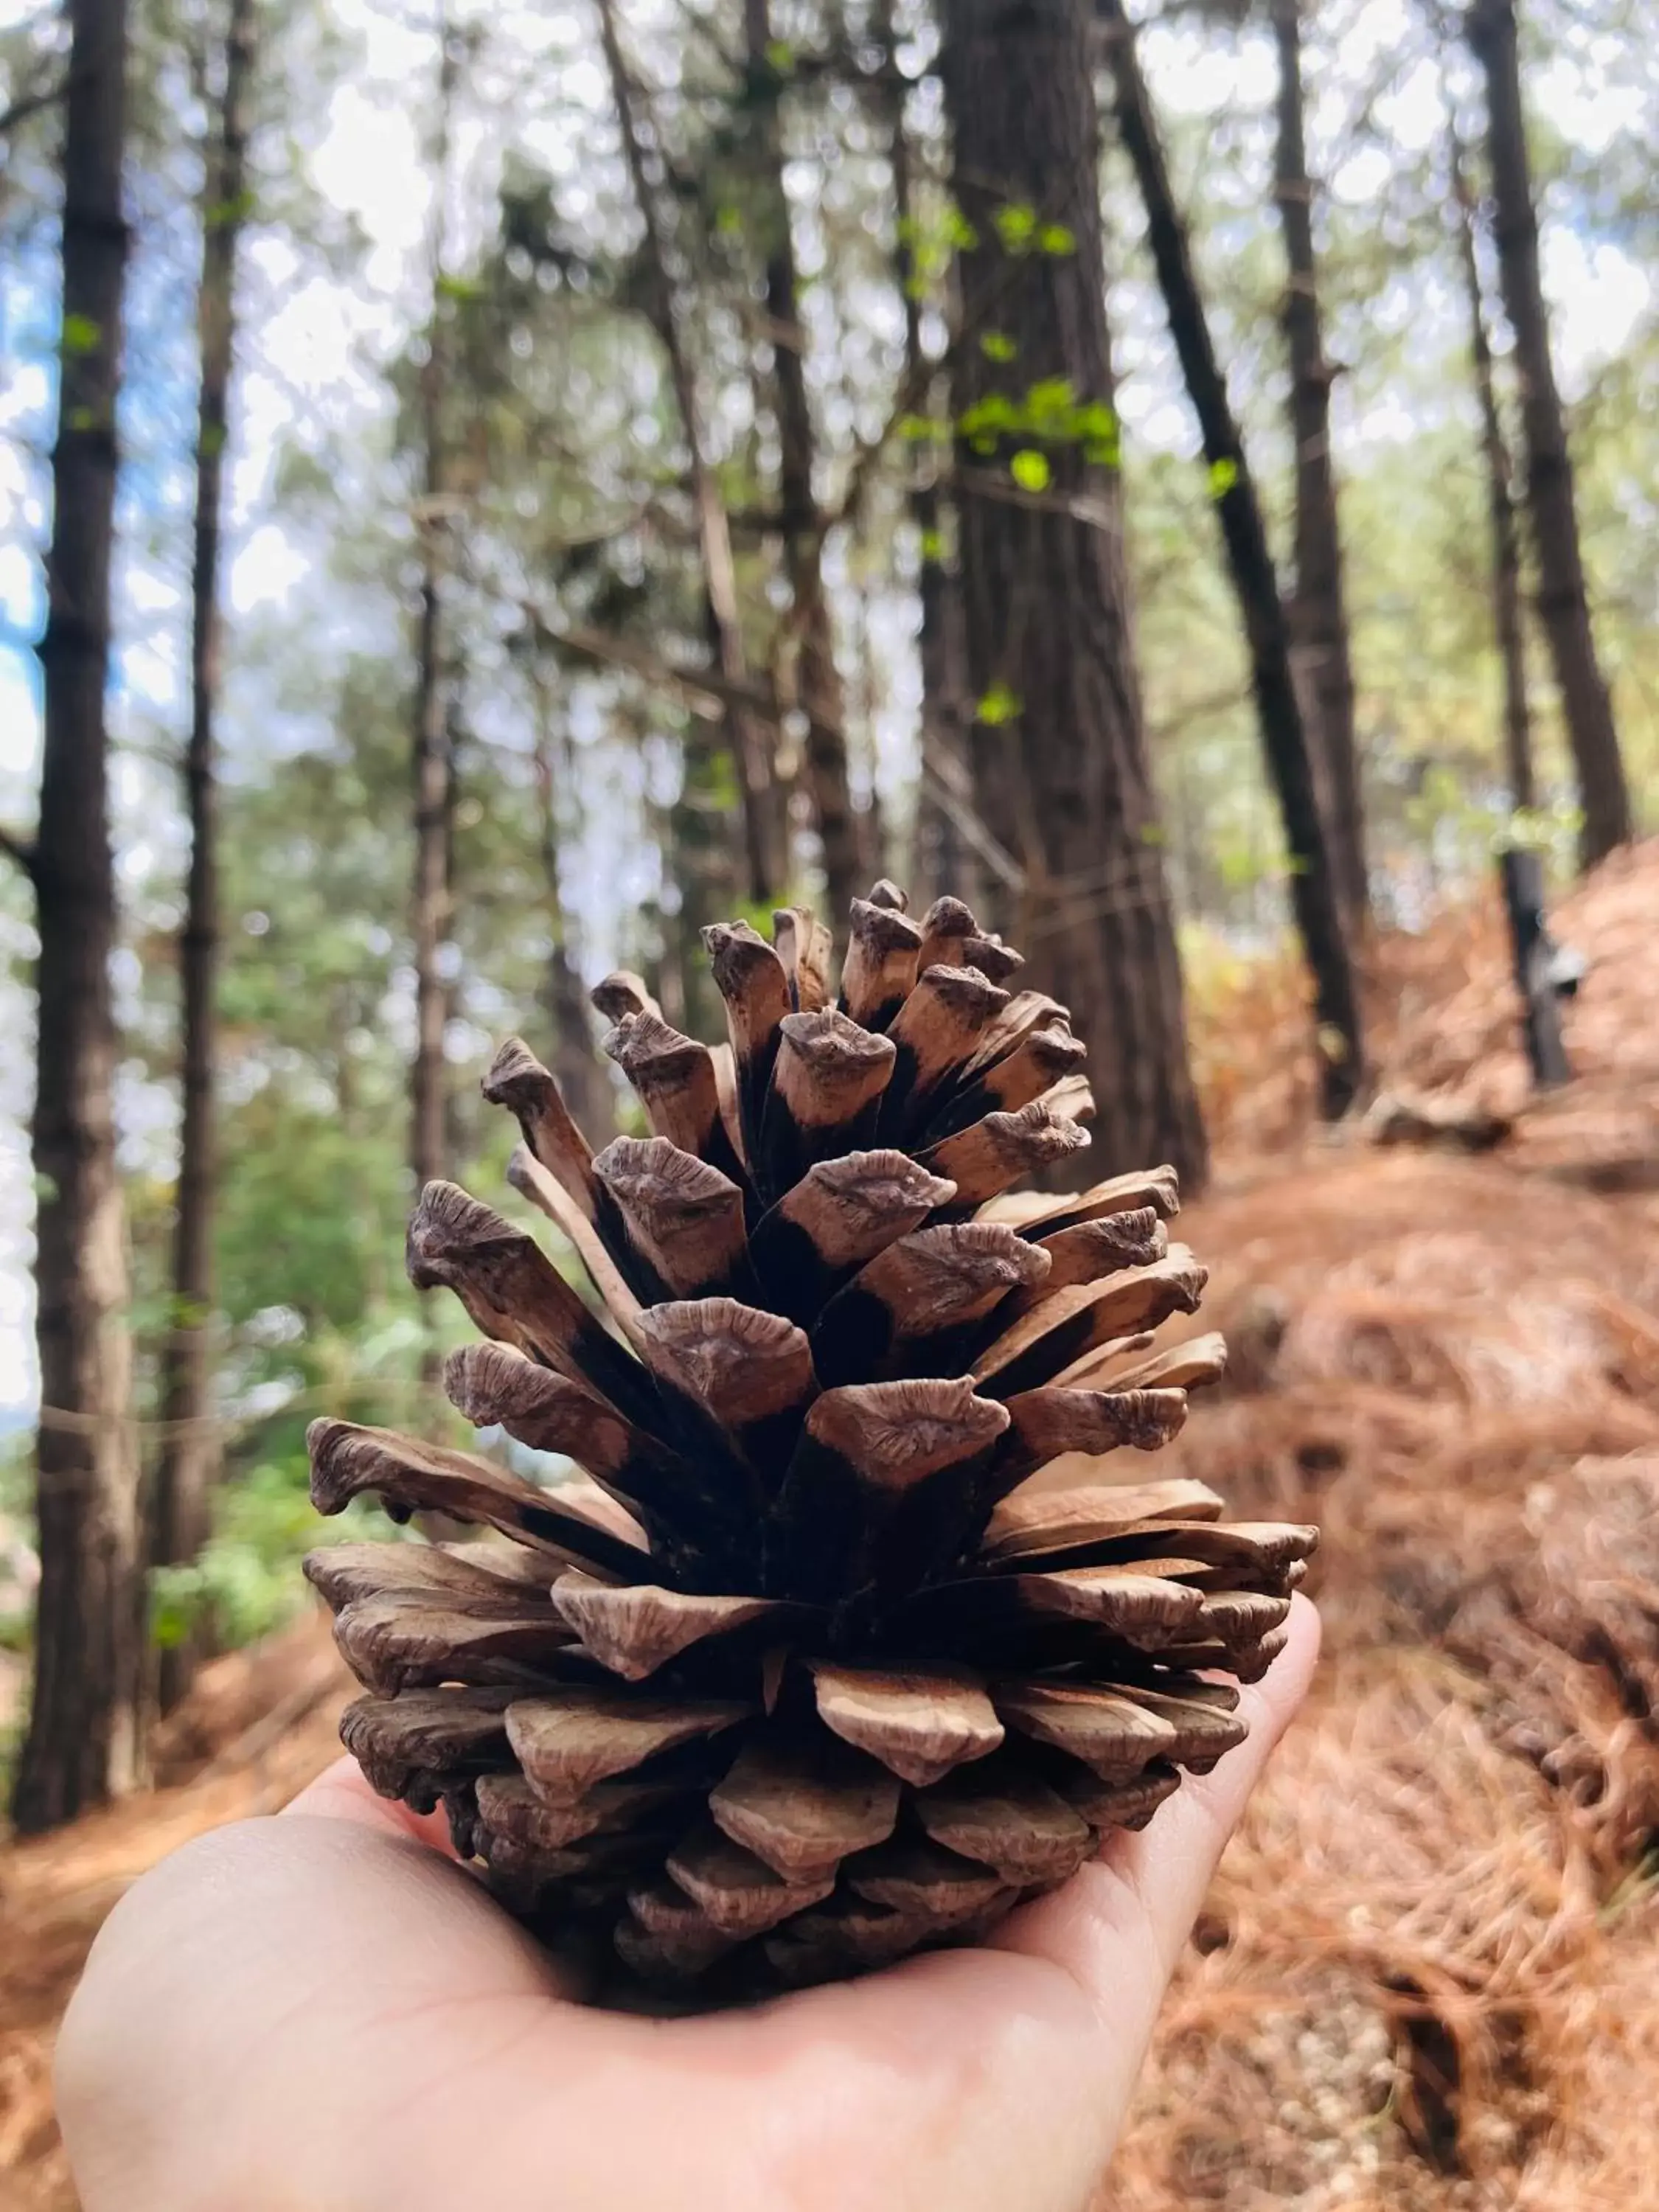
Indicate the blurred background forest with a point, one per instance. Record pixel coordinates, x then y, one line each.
485 493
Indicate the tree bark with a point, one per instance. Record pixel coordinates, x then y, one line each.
433 761
817 681
940 862
1059 748
574 1056
1563 601
82 1746
1314 894
1507 620
187 1466
765 819
1320 606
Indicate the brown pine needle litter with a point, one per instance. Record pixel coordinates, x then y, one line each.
1426 1976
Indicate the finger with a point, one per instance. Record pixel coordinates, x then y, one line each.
1139 1901
343 1792
1169 1864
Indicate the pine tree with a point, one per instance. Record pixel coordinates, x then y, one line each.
82 1741
1059 747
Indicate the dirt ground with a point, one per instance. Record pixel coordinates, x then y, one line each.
1425 1977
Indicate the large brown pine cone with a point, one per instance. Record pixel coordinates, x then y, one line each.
808 1674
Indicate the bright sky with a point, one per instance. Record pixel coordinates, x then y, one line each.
309 354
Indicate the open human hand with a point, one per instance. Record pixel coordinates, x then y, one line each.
321 2012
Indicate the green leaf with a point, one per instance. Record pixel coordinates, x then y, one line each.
997 345
1223 474
81 336
459 288
1054 237
1029 469
932 545
779 57
1050 407
923 429
728 221
1016 224
232 210
959 234
987 416
999 705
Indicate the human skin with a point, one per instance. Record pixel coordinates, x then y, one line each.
321 2012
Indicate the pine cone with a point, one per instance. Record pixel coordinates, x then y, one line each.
805 1674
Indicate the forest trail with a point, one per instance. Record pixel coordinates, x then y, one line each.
1426 1976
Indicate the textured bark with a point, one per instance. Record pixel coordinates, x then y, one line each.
433 761
82 1746
1063 778
1316 897
574 1058
817 682
1321 607
765 820
1507 621
188 1465
1563 602
942 863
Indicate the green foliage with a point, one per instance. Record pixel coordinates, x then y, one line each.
81 336
247 1580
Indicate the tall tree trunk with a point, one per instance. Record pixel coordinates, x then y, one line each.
82 1747
817 682
766 834
1315 898
1563 602
1060 748
433 763
1321 607
1507 620
574 1057
187 1468
940 863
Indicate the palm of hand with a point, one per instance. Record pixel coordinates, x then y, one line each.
321 2012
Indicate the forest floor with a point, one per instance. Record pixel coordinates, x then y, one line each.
1428 1975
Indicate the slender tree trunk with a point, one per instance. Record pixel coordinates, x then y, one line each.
1320 606
765 820
940 863
1315 897
574 1057
82 1746
188 1466
817 681
1563 602
433 761
1507 619
1060 748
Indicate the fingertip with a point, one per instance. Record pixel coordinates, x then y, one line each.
1169 1864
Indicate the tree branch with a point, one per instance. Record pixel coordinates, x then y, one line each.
32 103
